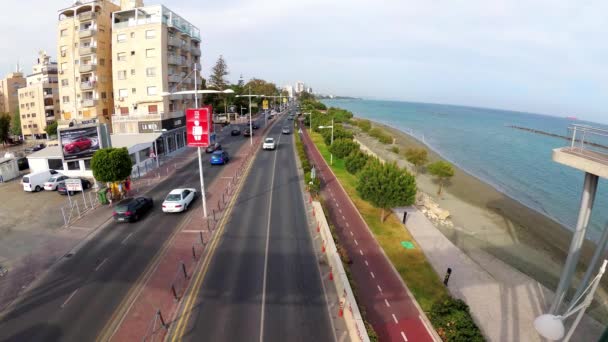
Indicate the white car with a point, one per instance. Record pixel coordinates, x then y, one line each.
178 200
269 144
51 184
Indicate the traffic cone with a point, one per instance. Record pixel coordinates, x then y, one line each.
331 275
341 311
323 247
313 212
318 227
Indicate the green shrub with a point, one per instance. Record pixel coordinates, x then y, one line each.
339 133
339 114
343 147
356 161
453 322
417 156
365 125
381 136
395 149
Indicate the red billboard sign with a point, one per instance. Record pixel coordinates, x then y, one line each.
199 126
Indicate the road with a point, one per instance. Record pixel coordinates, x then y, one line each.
263 283
76 298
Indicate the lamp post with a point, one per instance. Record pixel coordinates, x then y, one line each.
250 122
331 155
552 326
310 120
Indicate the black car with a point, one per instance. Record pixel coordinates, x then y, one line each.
253 125
131 209
235 132
213 148
62 189
247 132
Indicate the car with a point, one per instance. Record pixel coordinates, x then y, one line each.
235 132
253 125
219 158
247 132
62 189
131 209
51 184
34 148
290 117
178 200
77 145
269 144
213 148
286 130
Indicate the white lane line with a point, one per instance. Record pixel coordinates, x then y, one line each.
395 318
351 233
193 231
379 288
403 335
366 264
274 169
361 252
356 243
340 210
337 204
373 276
70 297
344 218
348 225
425 325
103 262
387 303
127 238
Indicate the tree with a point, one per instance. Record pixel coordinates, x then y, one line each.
443 171
343 147
111 164
218 73
51 129
5 124
417 156
356 161
16 124
386 186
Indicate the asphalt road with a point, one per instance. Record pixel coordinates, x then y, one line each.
263 283
74 300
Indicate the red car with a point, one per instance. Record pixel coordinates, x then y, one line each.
78 145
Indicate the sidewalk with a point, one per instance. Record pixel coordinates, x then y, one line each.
390 307
503 301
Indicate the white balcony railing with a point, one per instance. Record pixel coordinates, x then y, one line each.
138 117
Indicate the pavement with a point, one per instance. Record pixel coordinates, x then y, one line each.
390 307
99 272
262 282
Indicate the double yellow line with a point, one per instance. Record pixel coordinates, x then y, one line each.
195 287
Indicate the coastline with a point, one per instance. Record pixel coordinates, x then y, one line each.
489 220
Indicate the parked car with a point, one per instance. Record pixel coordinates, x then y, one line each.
213 148
77 145
34 182
235 132
219 158
269 144
34 148
286 130
62 189
131 209
51 184
178 200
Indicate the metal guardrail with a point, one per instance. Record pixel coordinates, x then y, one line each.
589 142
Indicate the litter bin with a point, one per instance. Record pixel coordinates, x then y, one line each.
101 195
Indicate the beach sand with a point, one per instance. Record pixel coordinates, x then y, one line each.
486 219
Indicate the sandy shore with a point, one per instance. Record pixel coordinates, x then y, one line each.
488 220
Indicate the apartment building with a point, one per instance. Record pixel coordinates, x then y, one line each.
9 86
300 87
154 52
85 62
39 99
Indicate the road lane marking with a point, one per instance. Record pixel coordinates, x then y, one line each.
103 262
356 243
344 218
425 325
340 210
338 205
262 314
127 238
351 233
373 276
387 303
70 297
379 288
348 225
395 318
366 264
193 231
361 252
403 335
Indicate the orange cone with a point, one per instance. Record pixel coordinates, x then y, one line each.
341 311
323 248
331 275
318 227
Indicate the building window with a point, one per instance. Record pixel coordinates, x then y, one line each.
132 34
121 56
123 93
150 72
150 34
34 115
55 164
121 38
87 164
66 99
102 61
133 90
73 165
64 32
132 53
103 95
132 72
24 126
151 91
64 83
122 74
64 66
153 109
124 110
35 125
150 53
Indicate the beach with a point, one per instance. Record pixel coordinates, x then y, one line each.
489 221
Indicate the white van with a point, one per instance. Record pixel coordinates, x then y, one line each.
35 180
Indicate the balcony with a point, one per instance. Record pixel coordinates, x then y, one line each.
87 16
87 85
173 41
175 97
49 107
196 51
137 117
87 68
48 95
173 60
87 50
49 114
174 78
588 150
89 103
86 33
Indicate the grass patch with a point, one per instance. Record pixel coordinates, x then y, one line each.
412 265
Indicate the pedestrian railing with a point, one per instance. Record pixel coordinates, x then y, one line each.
156 328
589 142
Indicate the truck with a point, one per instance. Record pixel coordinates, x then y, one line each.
221 118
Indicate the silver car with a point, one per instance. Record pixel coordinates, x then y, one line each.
286 130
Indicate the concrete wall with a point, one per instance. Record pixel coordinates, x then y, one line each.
9 169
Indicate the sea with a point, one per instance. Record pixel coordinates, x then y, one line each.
479 141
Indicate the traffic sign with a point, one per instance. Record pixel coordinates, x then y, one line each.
73 184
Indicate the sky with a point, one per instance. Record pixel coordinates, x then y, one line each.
540 56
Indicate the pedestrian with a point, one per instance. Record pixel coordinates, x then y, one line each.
109 196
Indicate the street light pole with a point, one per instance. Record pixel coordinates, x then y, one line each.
250 123
331 155
200 158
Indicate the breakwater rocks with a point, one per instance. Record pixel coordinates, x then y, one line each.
536 131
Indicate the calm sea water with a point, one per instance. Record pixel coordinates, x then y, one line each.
517 163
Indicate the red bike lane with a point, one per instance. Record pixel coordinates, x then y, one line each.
390 308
